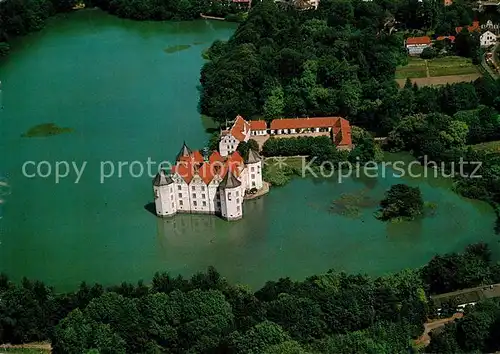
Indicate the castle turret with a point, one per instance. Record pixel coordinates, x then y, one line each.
231 197
254 170
164 194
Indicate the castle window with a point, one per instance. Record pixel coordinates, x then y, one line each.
203 196
204 204
202 188
237 193
253 184
253 176
180 195
238 208
193 188
194 203
194 195
172 204
237 201
252 168
179 188
181 203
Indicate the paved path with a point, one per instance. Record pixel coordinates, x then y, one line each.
425 339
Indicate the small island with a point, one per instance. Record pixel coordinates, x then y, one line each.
401 202
46 129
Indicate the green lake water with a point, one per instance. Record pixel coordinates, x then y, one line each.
117 90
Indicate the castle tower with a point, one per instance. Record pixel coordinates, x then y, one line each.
254 170
184 153
164 194
231 197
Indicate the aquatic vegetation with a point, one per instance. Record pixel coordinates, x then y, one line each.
198 43
176 48
350 204
46 129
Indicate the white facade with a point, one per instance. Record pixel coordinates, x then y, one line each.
201 190
228 144
488 38
416 49
230 139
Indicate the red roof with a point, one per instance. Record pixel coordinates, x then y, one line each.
451 38
215 156
418 40
239 128
189 166
258 125
197 156
475 27
185 170
342 133
303 123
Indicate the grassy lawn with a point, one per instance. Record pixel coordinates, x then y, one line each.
279 170
451 66
493 146
23 351
444 66
414 68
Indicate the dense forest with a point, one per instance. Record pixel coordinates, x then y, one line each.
328 313
338 60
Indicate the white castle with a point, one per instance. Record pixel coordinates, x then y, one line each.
208 185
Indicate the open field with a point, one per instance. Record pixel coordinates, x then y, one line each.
490 146
440 80
439 71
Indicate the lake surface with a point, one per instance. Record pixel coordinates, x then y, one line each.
124 91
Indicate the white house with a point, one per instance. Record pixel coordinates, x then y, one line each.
487 38
230 139
416 45
207 185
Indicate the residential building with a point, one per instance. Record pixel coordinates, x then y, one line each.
487 38
474 28
465 297
230 138
337 128
448 2
207 185
450 38
416 45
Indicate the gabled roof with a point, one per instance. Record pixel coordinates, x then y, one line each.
475 27
197 157
253 156
418 40
240 128
185 170
258 125
303 123
441 38
215 156
342 132
235 157
161 179
230 181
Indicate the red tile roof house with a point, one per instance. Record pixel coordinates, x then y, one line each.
474 28
442 38
336 127
416 45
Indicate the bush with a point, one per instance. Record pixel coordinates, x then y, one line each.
429 53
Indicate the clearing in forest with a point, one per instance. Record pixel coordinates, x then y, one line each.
438 71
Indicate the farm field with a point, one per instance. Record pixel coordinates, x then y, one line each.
439 71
